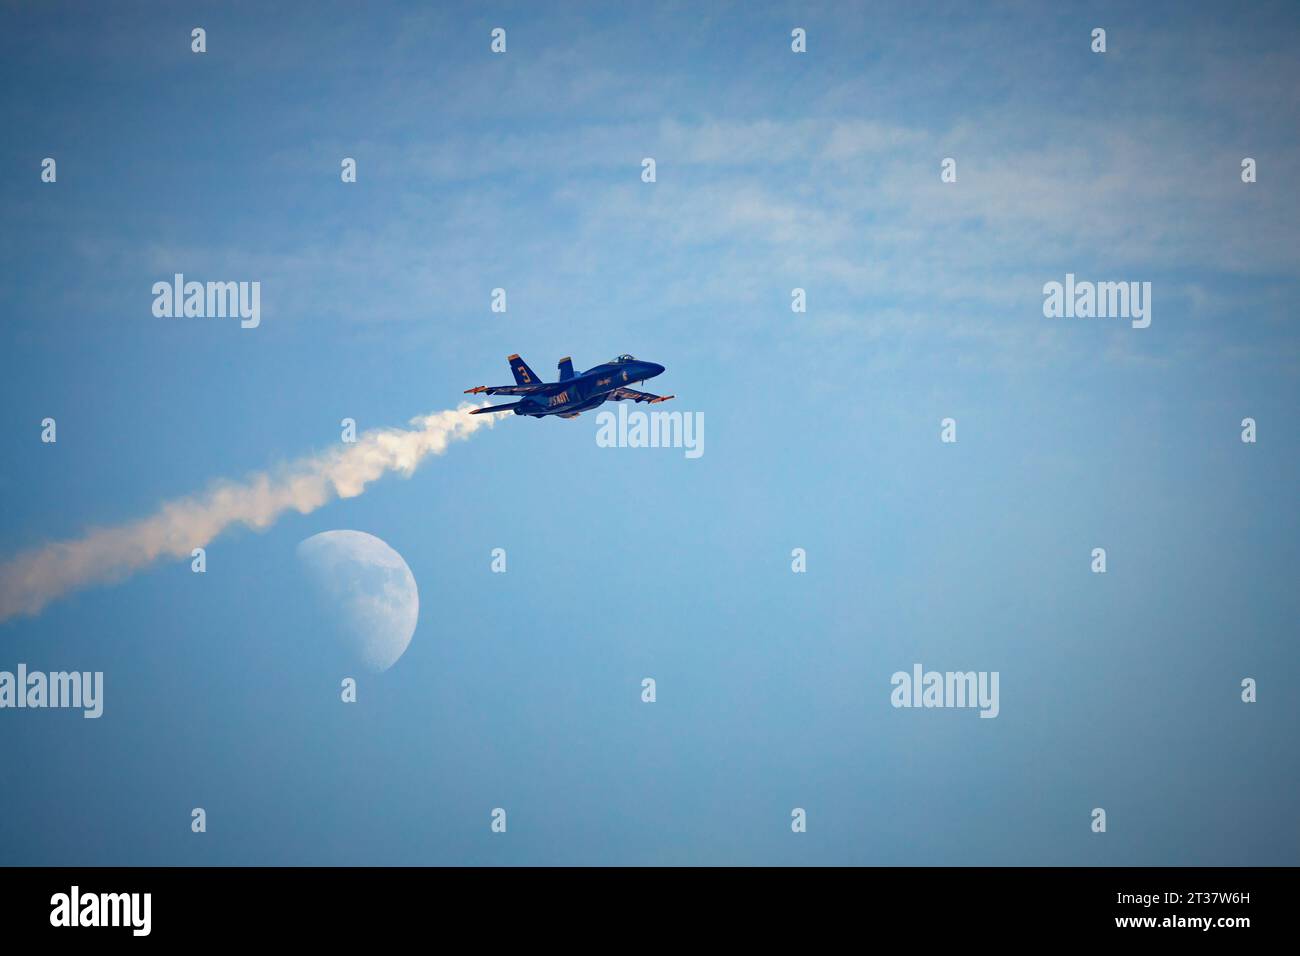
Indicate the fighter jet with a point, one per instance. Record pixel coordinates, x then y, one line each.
572 394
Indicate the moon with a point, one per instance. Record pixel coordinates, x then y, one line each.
368 592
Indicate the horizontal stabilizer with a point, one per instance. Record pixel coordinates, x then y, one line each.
495 408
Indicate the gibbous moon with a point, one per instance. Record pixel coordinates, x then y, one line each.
368 592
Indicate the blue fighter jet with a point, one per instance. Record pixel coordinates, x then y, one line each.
572 394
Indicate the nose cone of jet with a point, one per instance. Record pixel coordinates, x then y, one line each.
654 369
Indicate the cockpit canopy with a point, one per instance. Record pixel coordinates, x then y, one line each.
621 359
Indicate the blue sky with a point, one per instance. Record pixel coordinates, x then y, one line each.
774 171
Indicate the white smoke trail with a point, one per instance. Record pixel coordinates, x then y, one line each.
34 578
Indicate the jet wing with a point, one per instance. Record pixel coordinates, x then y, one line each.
631 394
537 388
